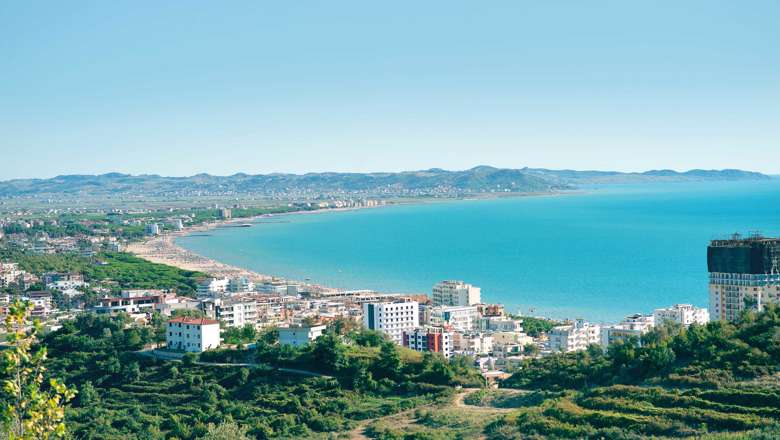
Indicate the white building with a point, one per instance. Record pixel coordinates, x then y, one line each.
300 335
574 337
391 318
433 339
238 312
456 293
632 326
212 287
684 314
192 334
463 319
473 343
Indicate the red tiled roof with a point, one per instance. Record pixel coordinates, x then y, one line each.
193 321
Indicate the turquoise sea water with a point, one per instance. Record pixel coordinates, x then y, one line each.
601 254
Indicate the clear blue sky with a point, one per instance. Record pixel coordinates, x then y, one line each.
177 88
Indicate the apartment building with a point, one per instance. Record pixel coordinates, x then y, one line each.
433 339
633 326
683 314
473 343
462 319
574 337
213 287
391 318
192 334
456 293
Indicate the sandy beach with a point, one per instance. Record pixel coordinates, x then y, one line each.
163 249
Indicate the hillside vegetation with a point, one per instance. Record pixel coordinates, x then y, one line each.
125 395
715 381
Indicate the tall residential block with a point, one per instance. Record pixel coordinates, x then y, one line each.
456 293
744 275
392 318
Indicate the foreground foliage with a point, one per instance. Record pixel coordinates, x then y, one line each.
31 407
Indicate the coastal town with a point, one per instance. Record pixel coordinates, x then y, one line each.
452 320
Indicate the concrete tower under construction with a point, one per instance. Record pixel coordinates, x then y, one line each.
744 275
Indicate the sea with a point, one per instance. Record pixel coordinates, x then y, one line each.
599 253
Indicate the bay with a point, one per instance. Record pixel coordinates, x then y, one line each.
600 254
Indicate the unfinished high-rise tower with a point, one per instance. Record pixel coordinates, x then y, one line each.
744 275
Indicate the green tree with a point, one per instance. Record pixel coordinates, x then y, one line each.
389 362
88 395
31 409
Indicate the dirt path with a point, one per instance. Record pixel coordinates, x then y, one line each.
358 433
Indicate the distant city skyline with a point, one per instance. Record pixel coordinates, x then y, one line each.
256 87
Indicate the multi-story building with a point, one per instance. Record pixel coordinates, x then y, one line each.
225 213
472 343
9 274
433 339
574 337
235 312
683 314
744 275
212 287
633 326
192 334
391 318
300 335
41 302
240 285
463 319
455 293
135 302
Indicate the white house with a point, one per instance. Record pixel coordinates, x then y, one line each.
192 334
300 335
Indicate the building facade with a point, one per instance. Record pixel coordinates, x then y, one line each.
192 334
391 318
463 319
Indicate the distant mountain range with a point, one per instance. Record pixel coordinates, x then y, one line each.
481 179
